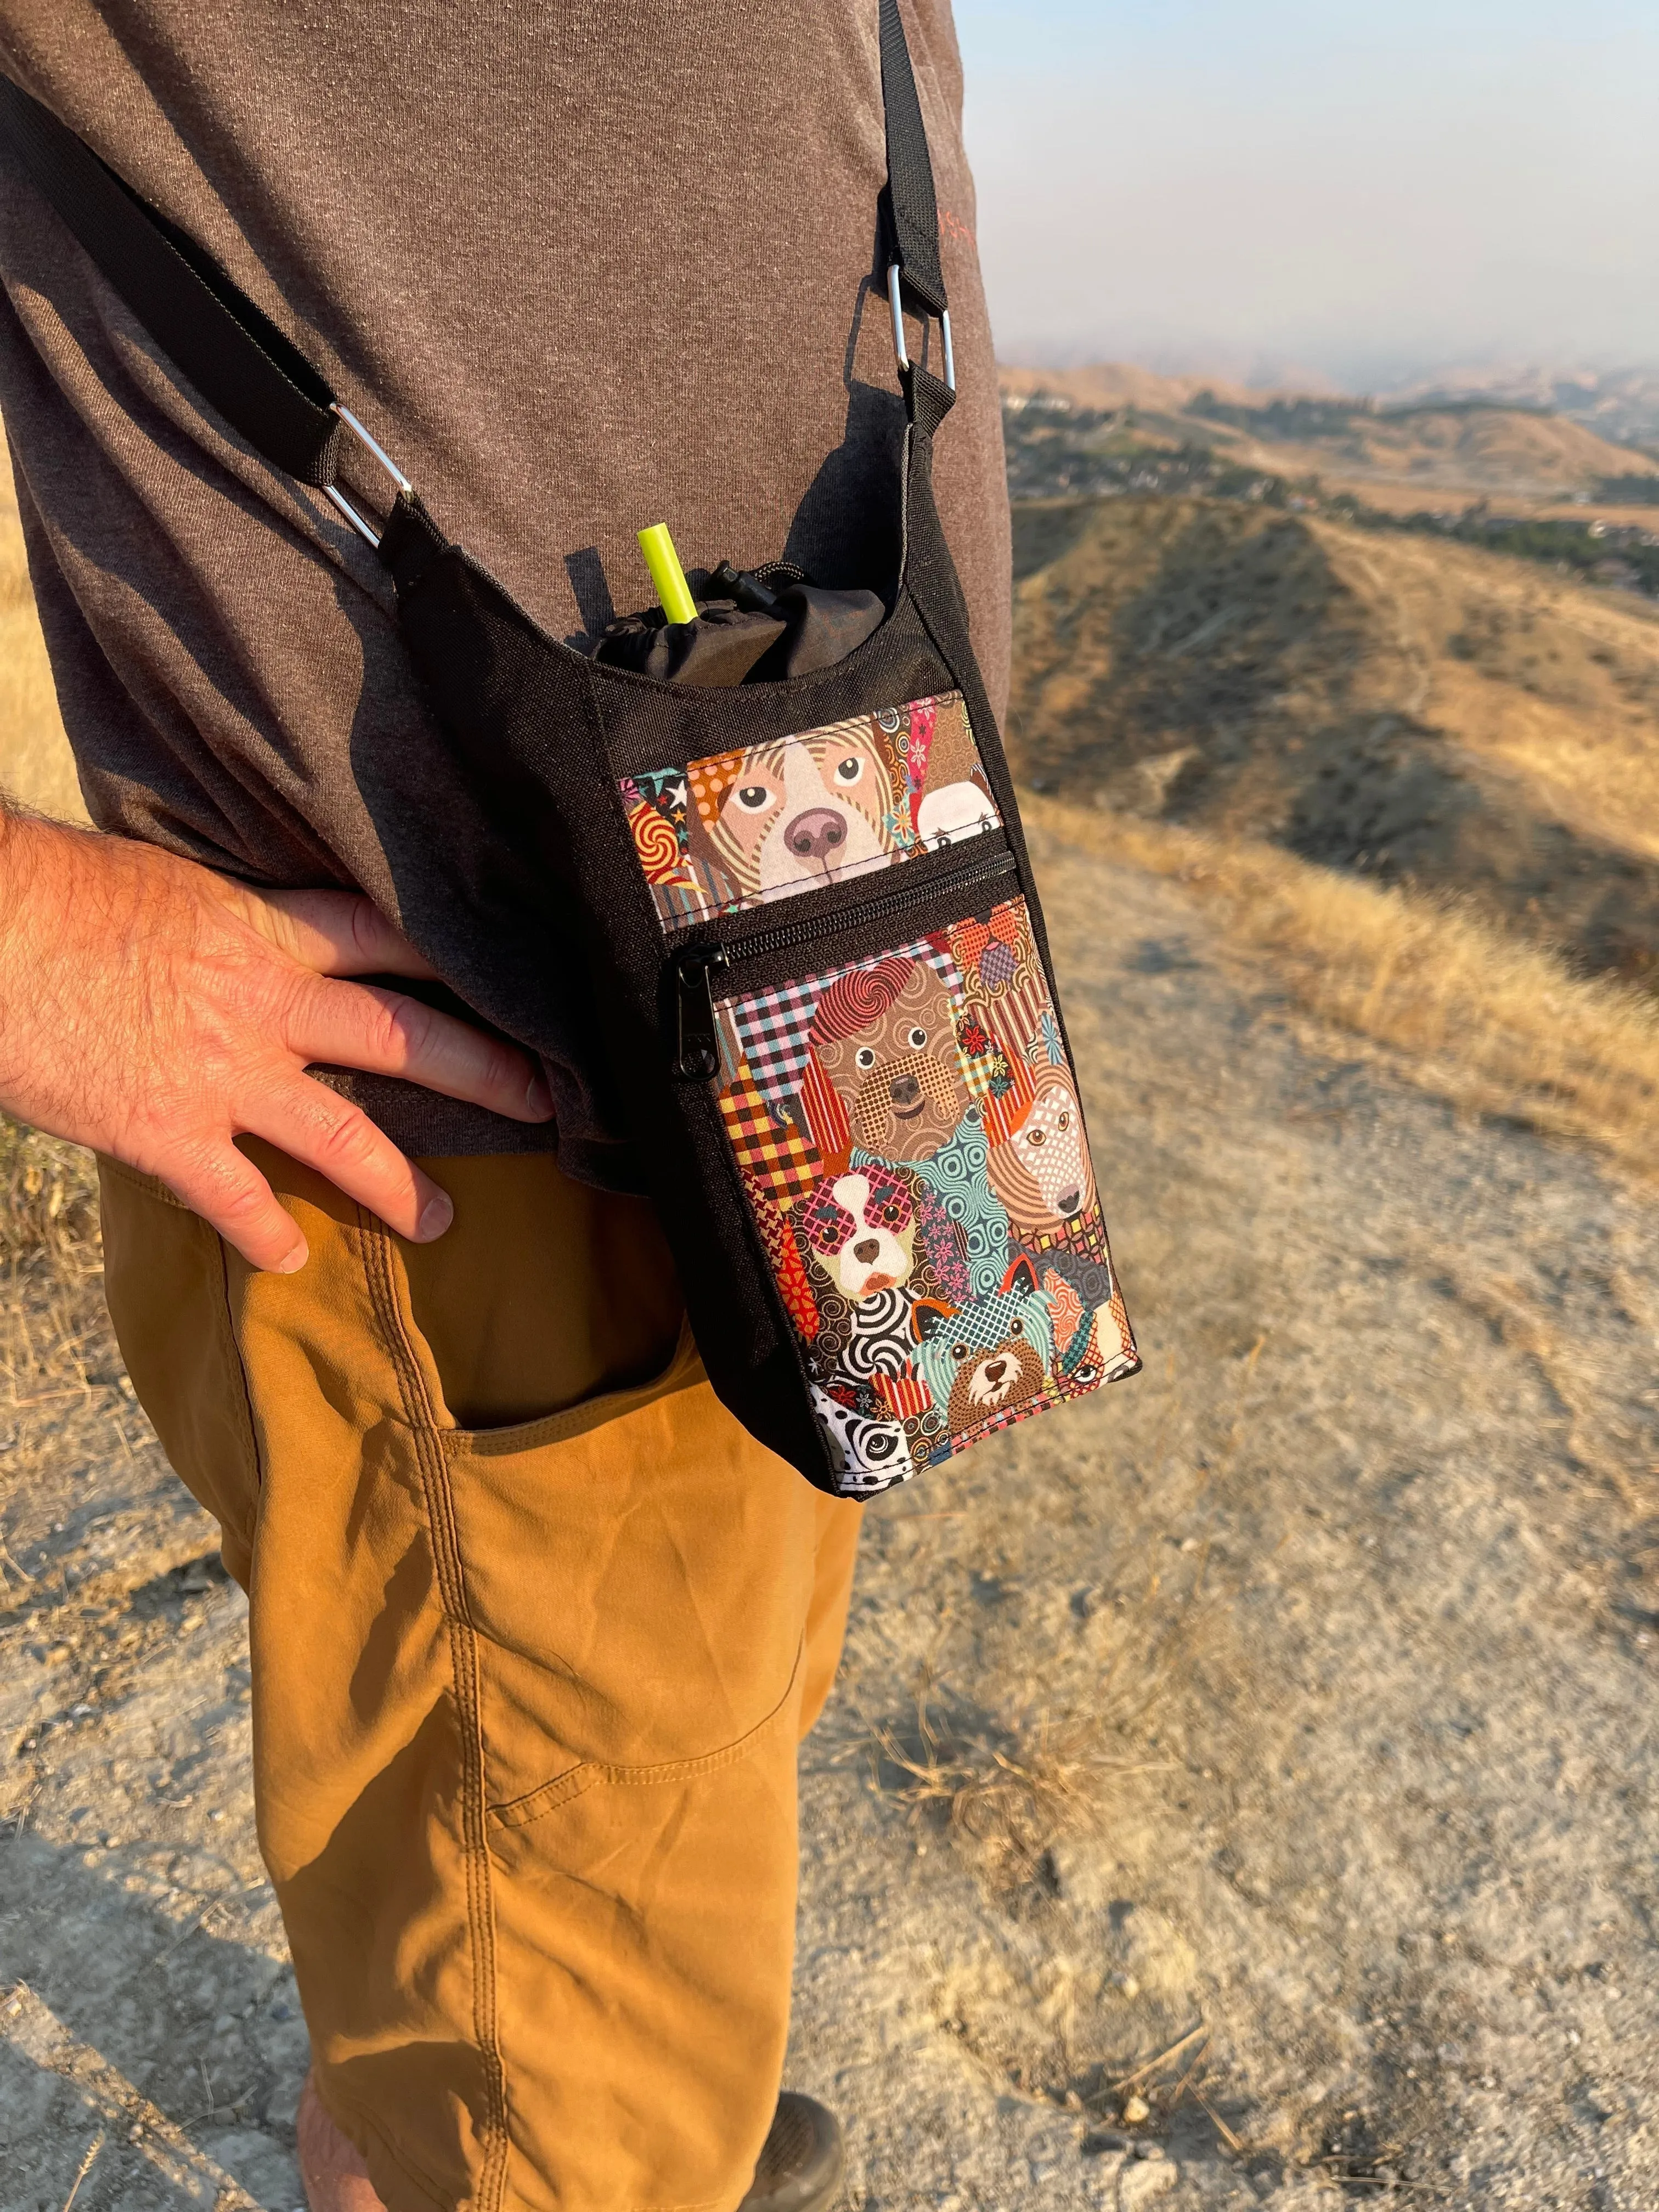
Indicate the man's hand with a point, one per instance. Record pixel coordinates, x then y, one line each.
156 1011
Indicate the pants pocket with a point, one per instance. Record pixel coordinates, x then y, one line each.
638 1571
542 1294
639 1576
165 1285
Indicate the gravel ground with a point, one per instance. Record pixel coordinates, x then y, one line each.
1240 1786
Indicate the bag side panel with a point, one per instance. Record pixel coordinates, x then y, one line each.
535 838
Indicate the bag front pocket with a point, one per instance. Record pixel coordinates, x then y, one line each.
737 831
908 1133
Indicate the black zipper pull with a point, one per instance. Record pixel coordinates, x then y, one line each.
698 1056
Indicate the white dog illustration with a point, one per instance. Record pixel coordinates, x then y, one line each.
862 1227
956 810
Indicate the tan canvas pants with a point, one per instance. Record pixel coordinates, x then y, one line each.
535 1629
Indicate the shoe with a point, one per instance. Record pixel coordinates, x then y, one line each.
799 2166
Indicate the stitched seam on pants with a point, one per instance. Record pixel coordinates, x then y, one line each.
519 1811
434 1476
702 2204
224 1322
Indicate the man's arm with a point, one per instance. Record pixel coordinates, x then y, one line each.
156 1011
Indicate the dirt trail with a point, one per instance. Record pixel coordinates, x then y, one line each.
1328 1642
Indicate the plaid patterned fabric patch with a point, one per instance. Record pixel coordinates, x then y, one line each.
772 1152
772 1031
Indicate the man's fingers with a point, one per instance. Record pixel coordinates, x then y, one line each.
358 1025
229 1193
312 1124
336 933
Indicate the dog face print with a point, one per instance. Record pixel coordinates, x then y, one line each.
910 1146
960 810
1041 1174
733 830
885 1041
799 813
869 1452
862 1226
983 1359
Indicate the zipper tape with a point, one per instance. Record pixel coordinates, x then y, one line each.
696 1054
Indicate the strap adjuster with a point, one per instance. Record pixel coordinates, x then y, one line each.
360 523
895 299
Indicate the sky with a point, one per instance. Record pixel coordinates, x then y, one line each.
1361 194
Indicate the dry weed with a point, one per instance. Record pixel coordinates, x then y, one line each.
55 1343
1008 1790
1487 1020
36 765
48 1197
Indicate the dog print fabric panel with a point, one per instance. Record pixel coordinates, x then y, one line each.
910 1142
739 829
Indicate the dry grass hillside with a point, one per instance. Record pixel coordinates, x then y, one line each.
35 766
1421 781
1108 385
1621 403
1411 710
1478 448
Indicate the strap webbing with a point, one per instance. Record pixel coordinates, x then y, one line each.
231 351
258 379
909 211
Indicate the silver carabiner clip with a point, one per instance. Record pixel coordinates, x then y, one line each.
895 301
360 523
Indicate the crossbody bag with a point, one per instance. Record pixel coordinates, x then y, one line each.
798 915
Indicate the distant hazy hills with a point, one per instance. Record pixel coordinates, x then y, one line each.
1515 446
1476 445
1621 404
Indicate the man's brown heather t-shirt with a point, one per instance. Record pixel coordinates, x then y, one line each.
580 267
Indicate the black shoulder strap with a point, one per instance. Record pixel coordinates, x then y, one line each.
259 381
231 351
909 211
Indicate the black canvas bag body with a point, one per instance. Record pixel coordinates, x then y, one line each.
797 918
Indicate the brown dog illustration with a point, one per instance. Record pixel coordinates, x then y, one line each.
884 1038
982 1359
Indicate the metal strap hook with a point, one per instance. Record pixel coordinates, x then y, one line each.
361 523
895 295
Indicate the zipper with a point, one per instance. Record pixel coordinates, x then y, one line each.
696 1057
